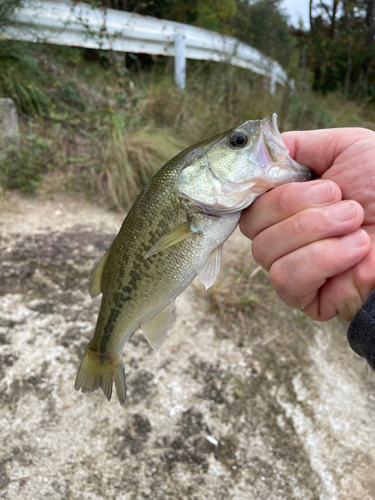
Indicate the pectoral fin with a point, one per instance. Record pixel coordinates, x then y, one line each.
95 288
155 329
178 234
209 271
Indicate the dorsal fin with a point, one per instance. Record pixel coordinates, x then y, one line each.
95 287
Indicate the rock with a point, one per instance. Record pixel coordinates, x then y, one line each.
9 129
268 407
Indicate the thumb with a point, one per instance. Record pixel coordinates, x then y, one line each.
318 149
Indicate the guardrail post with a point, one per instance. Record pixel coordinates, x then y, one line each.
273 80
179 59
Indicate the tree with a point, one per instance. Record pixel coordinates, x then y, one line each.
341 46
263 25
211 14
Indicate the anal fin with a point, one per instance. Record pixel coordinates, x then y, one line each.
209 271
95 287
155 329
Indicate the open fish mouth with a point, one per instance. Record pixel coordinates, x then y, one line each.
272 150
242 164
274 155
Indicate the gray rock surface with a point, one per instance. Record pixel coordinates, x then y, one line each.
9 129
265 404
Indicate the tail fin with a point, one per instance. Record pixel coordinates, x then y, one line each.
95 373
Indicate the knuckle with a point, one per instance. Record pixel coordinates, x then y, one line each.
284 198
298 224
314 256
245 225
313 224
259 251
309 221
279 277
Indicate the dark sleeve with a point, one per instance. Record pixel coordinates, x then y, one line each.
361 332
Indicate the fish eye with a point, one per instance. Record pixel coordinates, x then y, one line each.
238 139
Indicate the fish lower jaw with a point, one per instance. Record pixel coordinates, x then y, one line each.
223 210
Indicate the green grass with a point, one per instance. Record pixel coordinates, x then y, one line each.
25 165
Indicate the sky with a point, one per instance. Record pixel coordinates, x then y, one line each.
297 9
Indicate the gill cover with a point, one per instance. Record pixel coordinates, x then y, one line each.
238 166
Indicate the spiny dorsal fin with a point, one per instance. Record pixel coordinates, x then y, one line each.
178 234
209 271
95 288
155 329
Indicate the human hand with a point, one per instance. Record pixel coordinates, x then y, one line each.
317 239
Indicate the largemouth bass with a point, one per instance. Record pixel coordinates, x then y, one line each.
175 231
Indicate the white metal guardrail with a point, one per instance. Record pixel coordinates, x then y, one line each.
77 24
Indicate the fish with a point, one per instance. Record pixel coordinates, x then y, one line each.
175 231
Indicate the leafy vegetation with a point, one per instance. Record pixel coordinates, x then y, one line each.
25 165
338 49
7 8
340 46
29 96
263 25
260 23
90 125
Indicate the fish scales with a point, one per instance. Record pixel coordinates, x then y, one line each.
134 287
174 231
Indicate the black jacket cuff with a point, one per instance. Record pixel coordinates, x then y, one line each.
361 332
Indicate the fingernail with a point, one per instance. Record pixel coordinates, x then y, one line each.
355 240
341 212
320 193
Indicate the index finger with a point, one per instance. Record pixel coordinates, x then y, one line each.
285 201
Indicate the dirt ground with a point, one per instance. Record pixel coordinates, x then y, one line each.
270 406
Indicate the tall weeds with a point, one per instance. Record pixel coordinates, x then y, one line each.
132 158
29 98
